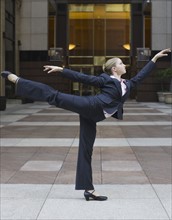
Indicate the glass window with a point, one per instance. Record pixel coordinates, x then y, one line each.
81 30
99 30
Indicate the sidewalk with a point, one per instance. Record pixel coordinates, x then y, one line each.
132 164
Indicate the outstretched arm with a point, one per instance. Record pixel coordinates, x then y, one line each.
97 81
143 73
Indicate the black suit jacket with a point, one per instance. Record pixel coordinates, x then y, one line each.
110 97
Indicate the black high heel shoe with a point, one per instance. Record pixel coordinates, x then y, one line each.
89 195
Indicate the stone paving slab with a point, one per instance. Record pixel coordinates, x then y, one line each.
104 123
38 165
99 142
113 209
20 209
21 191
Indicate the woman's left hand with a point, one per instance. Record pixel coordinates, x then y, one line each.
162 53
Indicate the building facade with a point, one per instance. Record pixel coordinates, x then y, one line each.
82 35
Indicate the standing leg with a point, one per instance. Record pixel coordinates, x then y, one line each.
86 142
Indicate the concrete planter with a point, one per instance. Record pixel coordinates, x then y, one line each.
168 97
161 97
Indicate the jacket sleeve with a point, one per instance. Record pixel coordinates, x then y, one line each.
97 81
142 74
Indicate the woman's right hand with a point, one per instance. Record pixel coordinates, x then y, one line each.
52 69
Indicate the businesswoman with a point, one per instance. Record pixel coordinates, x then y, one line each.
91 109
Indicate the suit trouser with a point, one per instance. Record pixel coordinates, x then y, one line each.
90 112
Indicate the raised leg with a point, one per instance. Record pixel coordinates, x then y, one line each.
35 91
41 92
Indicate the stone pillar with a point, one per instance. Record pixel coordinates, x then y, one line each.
2 54
136 38
62 28
33 40
161 38
161 24
34 25
18 6
136 27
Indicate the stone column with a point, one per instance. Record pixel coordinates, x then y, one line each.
34 25
62 28
161 24
2 54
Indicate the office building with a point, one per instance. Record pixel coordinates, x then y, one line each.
82 35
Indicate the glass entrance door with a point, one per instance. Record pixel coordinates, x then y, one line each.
97 32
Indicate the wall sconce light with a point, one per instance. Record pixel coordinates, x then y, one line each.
126 46
72 46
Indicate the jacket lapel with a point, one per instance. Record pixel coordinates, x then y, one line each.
118 85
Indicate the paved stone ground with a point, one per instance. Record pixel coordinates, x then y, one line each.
132 164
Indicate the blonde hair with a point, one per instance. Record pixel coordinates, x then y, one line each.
109 64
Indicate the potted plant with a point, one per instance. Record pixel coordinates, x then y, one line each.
165 78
